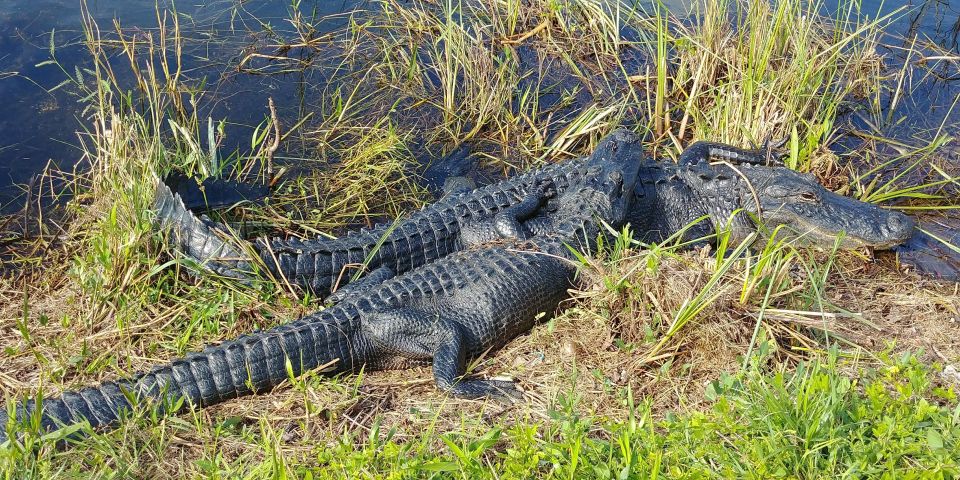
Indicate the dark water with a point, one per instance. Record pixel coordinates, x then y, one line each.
37 127
925 36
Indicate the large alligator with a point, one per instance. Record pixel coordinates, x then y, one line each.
442 313
694 198
747 197
451 224
669 198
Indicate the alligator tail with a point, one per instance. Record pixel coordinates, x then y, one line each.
199 239
251 363
215 192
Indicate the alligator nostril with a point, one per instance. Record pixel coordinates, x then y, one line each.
616 176
900 222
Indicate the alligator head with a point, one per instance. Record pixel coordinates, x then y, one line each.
796 204
613 169
777 198
605 192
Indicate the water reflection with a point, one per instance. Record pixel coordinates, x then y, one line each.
38 127
928 251
925 38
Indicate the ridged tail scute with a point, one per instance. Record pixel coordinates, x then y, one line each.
198 239
250 364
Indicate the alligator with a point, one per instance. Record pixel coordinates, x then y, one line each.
455 222
694 199
738 191
716 187
457 307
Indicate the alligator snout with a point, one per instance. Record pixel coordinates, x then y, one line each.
893 230
900 226
889 228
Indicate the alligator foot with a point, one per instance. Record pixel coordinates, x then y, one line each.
417 335
508 223
505 391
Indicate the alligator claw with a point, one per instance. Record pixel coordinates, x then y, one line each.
505 391
546 188
772 151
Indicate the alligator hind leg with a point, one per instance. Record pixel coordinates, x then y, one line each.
417 335
712 151
372 279
449 365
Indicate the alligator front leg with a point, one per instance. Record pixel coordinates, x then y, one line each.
419 336
508 223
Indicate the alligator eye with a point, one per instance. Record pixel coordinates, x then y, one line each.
808 196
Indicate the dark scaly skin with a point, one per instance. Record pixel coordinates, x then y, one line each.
202 238
204 241
711 181
441 313
720 152
451 224
776 196
669 198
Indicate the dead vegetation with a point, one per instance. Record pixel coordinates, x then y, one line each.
527 83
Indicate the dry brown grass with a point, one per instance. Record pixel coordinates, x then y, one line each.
592 350
97 306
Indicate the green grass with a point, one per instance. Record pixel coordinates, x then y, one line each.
778 70
810 421
668 364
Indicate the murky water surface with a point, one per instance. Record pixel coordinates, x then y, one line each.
39 127
920 35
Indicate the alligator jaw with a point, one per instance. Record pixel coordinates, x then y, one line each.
880 237
821 217
813 235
